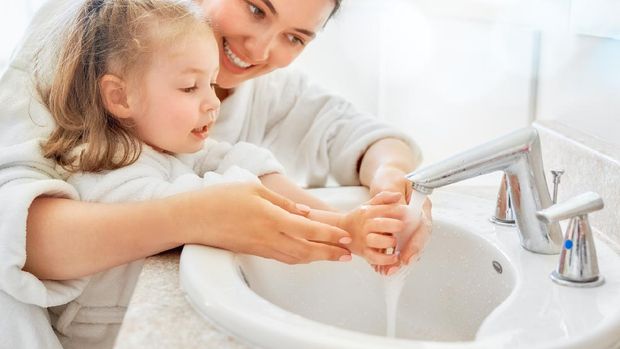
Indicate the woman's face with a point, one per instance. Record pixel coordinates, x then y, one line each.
258 36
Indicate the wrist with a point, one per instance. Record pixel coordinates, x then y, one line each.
174 213
327 217
388 177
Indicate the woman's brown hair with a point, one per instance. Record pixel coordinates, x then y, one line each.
106 37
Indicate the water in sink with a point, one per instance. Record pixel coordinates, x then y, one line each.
447 295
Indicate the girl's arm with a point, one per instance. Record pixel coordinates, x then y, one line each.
67 239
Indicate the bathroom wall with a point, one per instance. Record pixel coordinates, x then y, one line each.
451 82
580 84
455 73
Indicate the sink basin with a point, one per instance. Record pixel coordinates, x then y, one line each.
473 287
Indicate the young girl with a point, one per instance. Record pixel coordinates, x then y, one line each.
133 99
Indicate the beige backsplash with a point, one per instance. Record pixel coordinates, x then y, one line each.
590 165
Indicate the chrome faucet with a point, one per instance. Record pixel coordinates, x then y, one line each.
519 156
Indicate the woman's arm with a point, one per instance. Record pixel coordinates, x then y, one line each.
68 239
280 184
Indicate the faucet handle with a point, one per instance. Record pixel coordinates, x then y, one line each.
504 213
578 206
578 265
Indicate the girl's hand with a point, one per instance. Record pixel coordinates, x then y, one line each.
249 218
372 225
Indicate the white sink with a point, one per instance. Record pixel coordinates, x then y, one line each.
473 287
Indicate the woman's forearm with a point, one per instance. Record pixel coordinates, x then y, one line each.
67 239
388 152
385 164
280 184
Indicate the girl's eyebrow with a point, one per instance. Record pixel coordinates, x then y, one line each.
190 70
275 13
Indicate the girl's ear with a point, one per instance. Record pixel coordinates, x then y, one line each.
114 96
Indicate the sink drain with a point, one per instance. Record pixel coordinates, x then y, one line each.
498 267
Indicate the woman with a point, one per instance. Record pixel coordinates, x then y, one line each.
63 240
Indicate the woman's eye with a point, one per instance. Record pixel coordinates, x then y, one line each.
213 85
256 11
295 40
189 89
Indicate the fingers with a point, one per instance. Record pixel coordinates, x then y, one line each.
299 251
304 228
418 240
384 225
380 241
375 257
389 211
385 198
284 203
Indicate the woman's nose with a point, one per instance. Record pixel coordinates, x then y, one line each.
259 46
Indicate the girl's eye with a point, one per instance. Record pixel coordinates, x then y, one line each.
213 85
295 40
256 11
189 89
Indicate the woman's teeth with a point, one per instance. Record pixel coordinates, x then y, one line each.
233 58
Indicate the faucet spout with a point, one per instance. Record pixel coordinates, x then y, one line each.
518 154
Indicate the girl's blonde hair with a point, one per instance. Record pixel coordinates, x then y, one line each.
106 37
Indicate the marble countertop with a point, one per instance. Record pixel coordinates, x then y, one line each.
159 315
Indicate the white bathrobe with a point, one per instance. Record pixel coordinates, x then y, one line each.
312 133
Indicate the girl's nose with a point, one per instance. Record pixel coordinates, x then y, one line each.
210 104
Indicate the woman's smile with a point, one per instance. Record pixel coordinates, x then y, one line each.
233 57
232 61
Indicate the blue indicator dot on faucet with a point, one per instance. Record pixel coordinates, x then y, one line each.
568 244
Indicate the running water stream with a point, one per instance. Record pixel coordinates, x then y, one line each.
393 284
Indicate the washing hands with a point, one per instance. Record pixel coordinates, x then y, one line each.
381 225
410 241
416 217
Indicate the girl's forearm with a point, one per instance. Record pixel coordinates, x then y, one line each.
67 239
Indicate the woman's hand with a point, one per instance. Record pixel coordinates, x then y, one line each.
414 245
384 165
412 240
389 178
249 218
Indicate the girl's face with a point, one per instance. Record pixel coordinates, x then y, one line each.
174 102
258 36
